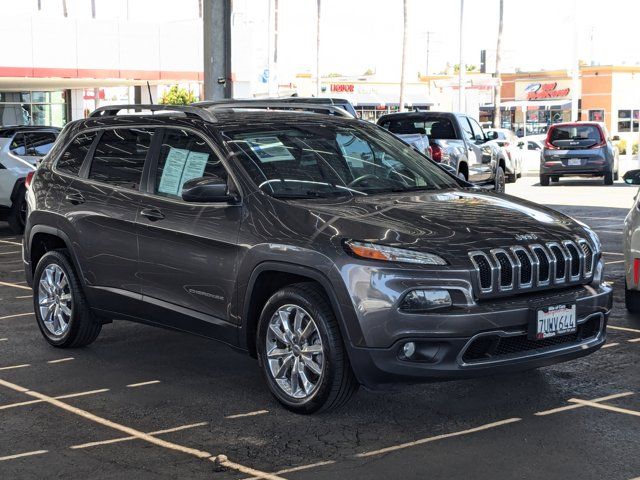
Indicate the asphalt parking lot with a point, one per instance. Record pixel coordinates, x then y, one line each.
148 403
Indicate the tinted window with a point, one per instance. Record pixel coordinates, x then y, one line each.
17 145
119 157
184 156
38 144
312 161
437 128
72 158
575 132
477 129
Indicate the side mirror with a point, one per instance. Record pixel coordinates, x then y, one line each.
615 138
491 135
632 177
520 144
206 189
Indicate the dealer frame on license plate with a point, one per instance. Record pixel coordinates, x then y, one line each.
553 321
574 162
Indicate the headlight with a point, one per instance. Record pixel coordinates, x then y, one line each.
373 251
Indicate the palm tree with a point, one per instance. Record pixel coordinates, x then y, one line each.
93 8
404 55
318 17
496 87
64 8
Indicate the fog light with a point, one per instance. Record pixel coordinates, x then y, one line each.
409 349
425 300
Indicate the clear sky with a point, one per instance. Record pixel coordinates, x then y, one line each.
359 35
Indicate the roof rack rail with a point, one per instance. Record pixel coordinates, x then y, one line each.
284 105
189 110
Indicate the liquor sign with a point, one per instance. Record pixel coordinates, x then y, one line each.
342 87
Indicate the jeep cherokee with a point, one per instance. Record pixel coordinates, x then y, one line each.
323 246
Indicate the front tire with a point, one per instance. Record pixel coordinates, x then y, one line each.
18 213
301 353
500 180
62 312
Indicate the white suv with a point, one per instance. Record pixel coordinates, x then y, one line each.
21 147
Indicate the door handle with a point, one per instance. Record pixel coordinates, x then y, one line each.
152 214
75 198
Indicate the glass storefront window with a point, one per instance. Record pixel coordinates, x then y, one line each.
33 108
596 115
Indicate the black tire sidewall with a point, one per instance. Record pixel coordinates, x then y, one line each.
15 219
500 180
57 258
321 315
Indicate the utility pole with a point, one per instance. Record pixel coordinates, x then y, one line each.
498 81
461 67
318 18
403 68
428 48
216 23
575 65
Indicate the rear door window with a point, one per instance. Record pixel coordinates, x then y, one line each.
183 157
71 160
38 144
119 157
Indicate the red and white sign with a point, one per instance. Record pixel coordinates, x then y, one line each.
342 87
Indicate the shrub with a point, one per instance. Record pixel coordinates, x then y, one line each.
634 148
622 146
177 96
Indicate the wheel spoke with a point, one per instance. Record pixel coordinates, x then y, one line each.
66 310
295 376
283 368
44 285
63 281
278 333
297 322
45 301
312 349
311 365
278 353
284 320
49 272
65 298
308 330
304 381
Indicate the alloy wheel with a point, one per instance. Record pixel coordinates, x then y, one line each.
294 351
55 300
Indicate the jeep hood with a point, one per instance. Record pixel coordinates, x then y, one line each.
447 222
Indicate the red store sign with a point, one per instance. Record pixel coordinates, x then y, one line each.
543 91
342 87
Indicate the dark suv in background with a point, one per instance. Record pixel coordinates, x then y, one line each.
324 246
578 149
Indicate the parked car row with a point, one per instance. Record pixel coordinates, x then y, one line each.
324 246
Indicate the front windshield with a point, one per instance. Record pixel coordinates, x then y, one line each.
321 160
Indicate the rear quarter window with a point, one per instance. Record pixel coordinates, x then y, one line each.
71 160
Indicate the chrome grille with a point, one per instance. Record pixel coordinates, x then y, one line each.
533 266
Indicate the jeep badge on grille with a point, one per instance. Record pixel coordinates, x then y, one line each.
526 236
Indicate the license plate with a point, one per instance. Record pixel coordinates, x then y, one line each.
574 162
554 321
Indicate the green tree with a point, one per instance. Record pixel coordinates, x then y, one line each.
177 96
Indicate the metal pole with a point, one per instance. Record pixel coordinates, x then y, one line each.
575 67
461 106
216 23
318 86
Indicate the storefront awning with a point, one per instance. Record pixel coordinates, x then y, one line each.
564 103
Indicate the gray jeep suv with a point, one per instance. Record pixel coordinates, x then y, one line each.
324 246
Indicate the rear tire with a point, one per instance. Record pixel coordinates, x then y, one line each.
544 180
616 176
18 212
632 300
324 379
608 178
61 310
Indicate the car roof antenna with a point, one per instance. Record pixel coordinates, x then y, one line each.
149 90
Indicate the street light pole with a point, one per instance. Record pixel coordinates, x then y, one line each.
461 67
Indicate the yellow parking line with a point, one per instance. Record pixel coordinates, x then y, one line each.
125 439
612 253
24 296
20 270
603 406
20 455
623 329
16 366
608 231
142 384
60 360
250 414
59 397
438 437
298 468
572 407
219 459
16 315
7 284
10 243
609 345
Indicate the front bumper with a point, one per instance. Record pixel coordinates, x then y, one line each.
462 356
